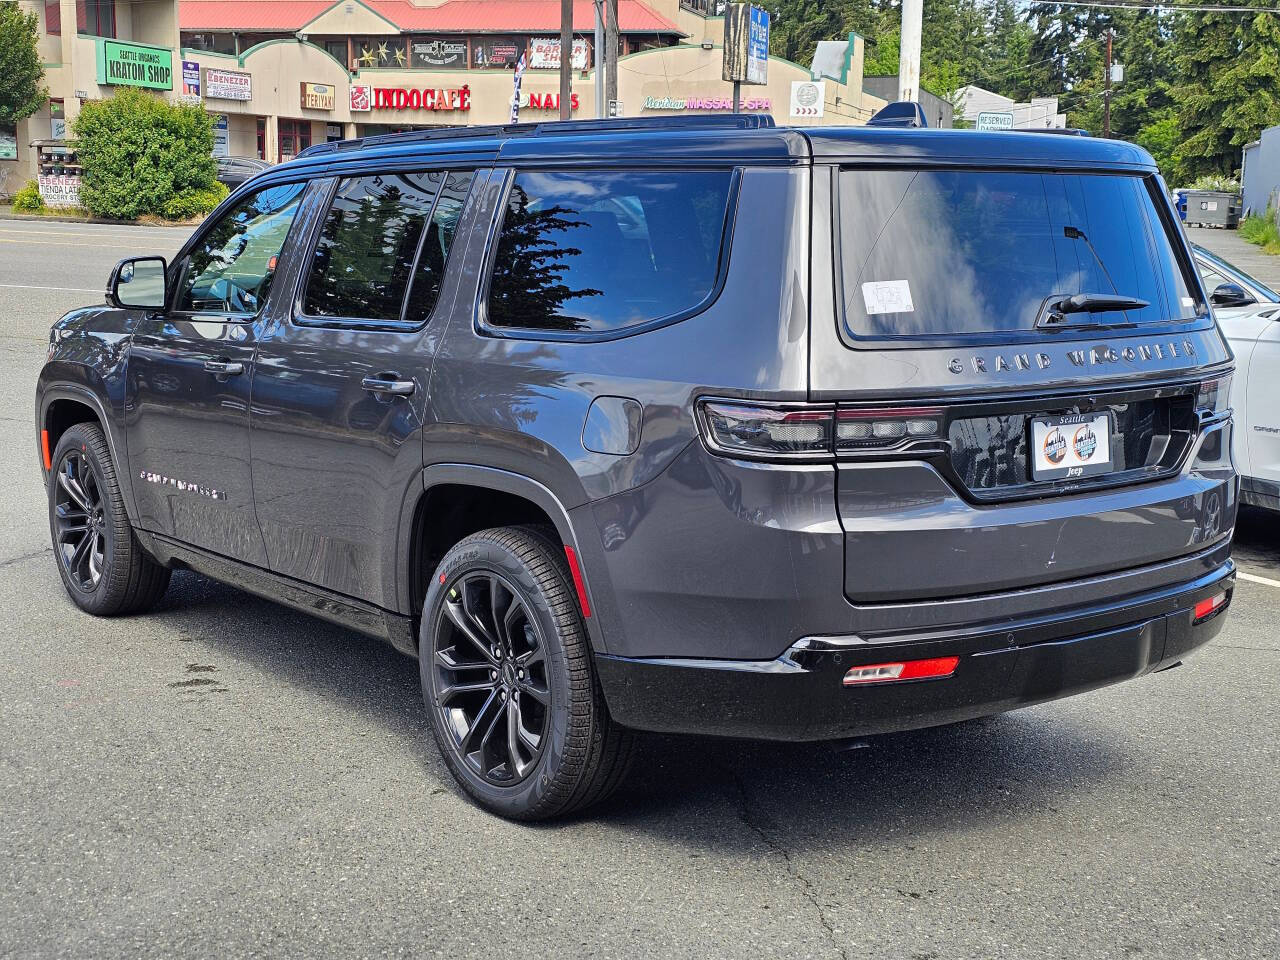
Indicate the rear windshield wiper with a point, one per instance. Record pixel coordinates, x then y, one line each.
1055 311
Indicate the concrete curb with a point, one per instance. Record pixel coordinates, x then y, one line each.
45 218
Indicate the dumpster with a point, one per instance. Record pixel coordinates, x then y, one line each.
1213 208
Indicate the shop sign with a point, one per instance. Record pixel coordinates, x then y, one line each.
59 190
438 52
496 51
546 101
134 65
706 103
191 79
544 53
221 136
227 85
318 96
397 98
746 44
57 120
361 97
8 142
808 98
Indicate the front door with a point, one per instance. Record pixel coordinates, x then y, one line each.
340 385
189 373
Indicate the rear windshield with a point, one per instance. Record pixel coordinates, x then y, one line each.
946 253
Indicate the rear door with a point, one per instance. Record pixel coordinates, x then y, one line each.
189 374
1262 420
341 380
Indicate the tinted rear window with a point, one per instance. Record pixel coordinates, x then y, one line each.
967 253
599 250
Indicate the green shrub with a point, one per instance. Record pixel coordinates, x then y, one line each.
1261 231
1214 181
28 199
194 202
140 152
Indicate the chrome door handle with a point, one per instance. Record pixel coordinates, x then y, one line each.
396 388
224 368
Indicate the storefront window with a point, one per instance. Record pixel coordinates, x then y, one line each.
338 50
496 52
96 18
381 52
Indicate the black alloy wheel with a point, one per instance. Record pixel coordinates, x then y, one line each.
80 526
509 680
491 675
103 566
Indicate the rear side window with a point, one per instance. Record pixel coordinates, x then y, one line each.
602 250
927 253
368 244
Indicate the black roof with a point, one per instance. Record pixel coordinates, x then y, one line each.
740 138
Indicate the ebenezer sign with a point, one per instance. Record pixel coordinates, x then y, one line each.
134 65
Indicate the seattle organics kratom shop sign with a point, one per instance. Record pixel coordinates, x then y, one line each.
134 65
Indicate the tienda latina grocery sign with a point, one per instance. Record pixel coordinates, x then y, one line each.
134 65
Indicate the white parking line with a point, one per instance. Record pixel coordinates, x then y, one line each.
32 286
1254 578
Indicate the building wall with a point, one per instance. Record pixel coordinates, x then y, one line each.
1261 179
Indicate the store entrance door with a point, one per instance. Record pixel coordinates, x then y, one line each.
295 136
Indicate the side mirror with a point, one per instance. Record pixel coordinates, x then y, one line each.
138 284
1231 295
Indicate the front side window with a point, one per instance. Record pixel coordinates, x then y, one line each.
232 269
602 250
381 232
973 253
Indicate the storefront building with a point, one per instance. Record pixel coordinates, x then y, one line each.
281 76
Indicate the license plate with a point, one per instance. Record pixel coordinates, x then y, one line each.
1070 446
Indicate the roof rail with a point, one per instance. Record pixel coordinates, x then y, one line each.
733 121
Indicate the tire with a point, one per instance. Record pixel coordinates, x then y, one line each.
486 699
102 565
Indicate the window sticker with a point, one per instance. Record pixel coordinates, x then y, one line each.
887 296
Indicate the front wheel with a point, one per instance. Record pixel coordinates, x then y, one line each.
103 567
508 679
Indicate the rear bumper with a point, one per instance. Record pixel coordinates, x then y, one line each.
800 696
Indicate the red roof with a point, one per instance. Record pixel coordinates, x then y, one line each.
453 16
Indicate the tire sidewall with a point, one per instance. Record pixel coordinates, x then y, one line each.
76 440
519 799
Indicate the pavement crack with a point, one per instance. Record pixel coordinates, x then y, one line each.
760 828
25 556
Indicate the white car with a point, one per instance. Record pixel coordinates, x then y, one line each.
1248 313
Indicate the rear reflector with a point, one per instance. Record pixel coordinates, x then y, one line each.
572 556
1208 606
906 670
44 449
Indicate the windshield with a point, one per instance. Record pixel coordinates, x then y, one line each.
967 253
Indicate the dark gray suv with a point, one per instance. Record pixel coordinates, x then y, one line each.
673 425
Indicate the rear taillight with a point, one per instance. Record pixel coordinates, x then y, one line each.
767 431
1214 396
933 668
869 428
800 431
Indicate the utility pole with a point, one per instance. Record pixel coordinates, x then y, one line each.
566 57
909 50
611 52
1106 114
598 44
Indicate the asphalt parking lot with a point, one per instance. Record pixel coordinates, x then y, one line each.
228 778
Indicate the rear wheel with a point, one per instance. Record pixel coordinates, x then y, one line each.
508 680
102 565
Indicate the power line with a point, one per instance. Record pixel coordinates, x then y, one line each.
1162 7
